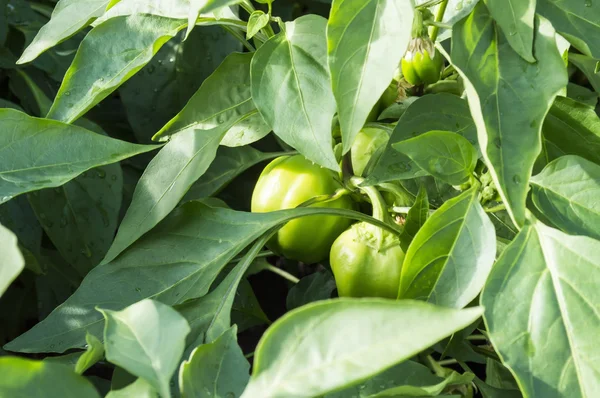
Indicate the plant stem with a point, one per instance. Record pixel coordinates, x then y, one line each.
240 37
282 273
446 362
430 3
325 198
249 355
485 353
477 337
438 18
495 209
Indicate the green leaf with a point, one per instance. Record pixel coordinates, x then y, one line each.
138 389
488 391
314 287
165 181
17 215
246 311
497 375
12 261
516 19
217 369
578 21
257 20
27 378
452 379
451 256
68 18
174 9
146 339
93 353
197 7
81 217
109 55
292 90
567 193
588 66
41 153
366 40
228 164
331 344
173 75
415 218
444 112
542 313
175 262
411 378
443 154
509 98
215 103
582 94
571 128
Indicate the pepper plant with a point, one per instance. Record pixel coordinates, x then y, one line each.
310 198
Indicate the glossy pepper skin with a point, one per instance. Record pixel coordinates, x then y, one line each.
422 63
368 141
287 182
364 268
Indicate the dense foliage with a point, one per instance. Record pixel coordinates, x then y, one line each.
310 198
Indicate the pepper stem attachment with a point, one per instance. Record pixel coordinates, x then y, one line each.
419 29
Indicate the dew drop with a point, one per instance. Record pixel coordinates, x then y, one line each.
160 61
113 177
516 179
67 93
459 6
86 252
42 216
588 3
155 90
101 173
137 289
151 69
172 59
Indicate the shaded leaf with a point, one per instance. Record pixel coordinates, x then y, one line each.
451 256
516 19
147 340
415 219
138 389
365 41
567 193
41 153
109 55
509 98
11 259
216 369
292 90
340 342
314 287
93 353
443 154
541 312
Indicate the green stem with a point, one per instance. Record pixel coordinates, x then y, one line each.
430 3
446 362
263 254
240 37
485 353
439 18
399 192
248 6
325 198
249 355
495 209
282 273
477 337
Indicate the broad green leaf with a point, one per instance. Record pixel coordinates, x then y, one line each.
17 215
409 376
197 7
516 19
173 75
246 311
93 353
497 375
173 263
451 256
578 21
328 345
291 88
228 164
11 259
175 9
27 378
109 55
217 369
588 66
41 153
571 128
147 340
582 94
257 20
138 389
488 391
443 154
509 97
210 316
415 219
567 193
436 390
366 40
81 217
315 287
68 18
165 181
542 312
216 103
444 112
